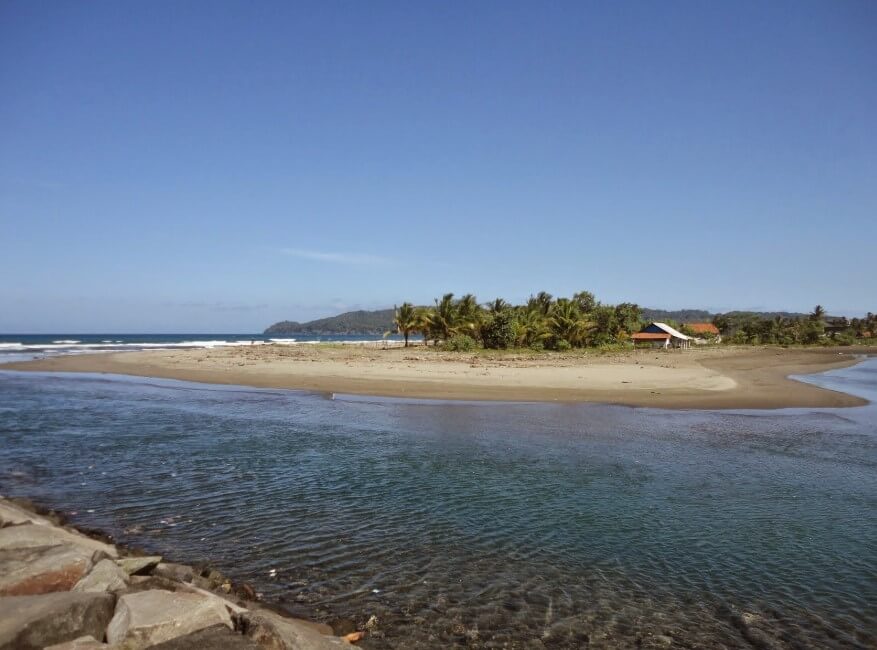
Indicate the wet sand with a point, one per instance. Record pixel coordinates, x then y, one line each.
718 377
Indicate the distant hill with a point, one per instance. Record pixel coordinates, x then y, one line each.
704 316
678 315
353 323
768 314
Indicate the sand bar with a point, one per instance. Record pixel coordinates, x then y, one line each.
713 378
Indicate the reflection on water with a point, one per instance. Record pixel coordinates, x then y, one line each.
526 525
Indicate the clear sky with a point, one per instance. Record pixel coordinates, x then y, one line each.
217 166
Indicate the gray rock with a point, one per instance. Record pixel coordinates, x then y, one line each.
40 621
147 618
13 514
42 569
319 628
146 583
208 579
31 535
217 637
138 565
82 643
276 632
105 576
223 602
171 571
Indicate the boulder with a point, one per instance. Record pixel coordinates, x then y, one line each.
283 617
171 571
30 535
208 578
99 555
138 565
40 621
42 569
217 637
12 514
147 618
105 576
82 643
230 606
147 583
275 632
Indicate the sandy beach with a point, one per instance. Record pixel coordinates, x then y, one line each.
711 378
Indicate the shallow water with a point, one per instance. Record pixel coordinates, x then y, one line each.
489 525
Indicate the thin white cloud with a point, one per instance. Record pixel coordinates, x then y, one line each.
337 258
214 306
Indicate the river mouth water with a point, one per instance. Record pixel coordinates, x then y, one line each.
480 525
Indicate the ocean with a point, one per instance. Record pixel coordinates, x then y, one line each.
477 524
24 347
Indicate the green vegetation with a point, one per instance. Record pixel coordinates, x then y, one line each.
461 343
809 329
542 323
406 321
548 323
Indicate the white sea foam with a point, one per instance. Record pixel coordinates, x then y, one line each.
119 345
71 346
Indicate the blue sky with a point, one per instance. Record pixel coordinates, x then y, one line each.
217 166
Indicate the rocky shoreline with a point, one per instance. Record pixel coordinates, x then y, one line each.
66 590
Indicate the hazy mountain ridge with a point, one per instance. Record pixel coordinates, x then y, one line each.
352 322
704 316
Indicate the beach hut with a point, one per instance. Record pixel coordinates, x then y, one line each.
708 330
661 335
703 328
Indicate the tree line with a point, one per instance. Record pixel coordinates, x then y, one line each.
743 327
548 323
543 322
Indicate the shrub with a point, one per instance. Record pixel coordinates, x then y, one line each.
461 343
499 332
537 346
615 347
562 345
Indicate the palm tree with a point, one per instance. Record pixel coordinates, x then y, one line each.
406 320
497 306
585 300
469 316
425 322
544 300
818 313
566 323
532 328
445 316
778 330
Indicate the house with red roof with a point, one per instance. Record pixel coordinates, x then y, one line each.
704 332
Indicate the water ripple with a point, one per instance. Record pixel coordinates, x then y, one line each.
477 525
